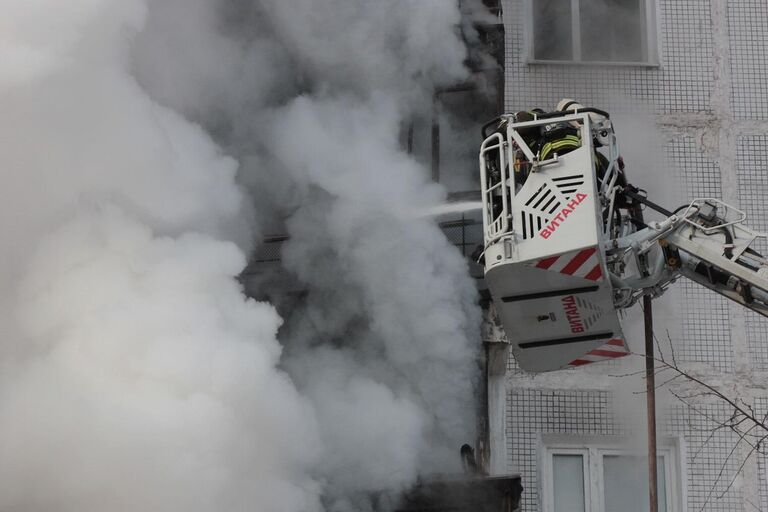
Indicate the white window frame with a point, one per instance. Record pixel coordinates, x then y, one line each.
592 449
649 33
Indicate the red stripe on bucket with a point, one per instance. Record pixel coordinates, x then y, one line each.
594 274
545 264
578 261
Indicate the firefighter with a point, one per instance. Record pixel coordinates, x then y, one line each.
532 137
549 139
601 162
558 138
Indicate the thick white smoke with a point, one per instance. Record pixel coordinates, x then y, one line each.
135 374
311 98
394 287
143 380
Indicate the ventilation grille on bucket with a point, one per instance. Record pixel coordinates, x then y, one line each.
546 201
569 184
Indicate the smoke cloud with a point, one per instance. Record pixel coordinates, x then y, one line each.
145 146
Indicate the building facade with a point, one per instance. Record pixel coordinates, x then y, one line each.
687 84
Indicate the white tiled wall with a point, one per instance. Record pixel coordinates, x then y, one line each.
718 148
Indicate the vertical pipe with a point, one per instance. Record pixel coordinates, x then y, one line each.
650 384
464 235
484 452
650 393
436 137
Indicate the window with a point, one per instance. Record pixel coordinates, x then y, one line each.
569 485
598 476
597 31
625 482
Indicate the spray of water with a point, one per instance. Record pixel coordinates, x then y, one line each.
452 208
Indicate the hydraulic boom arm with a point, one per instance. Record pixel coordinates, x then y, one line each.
706 243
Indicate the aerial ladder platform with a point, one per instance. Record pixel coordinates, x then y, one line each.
566 247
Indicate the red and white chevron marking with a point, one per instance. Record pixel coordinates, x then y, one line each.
584 263
614 349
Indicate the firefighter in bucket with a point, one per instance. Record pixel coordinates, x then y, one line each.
556 138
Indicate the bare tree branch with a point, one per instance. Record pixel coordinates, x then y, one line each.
714 391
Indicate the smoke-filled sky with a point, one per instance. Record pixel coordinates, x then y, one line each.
145 147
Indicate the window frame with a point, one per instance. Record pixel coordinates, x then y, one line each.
593 449
649 33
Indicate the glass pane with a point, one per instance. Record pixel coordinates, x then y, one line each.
625 483
552 30
568 482
661 485
612 30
